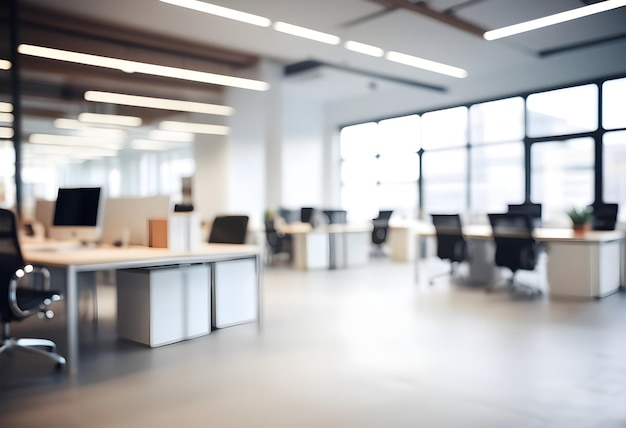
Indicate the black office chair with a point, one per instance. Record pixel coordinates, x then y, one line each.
451 244
516 248
18 302
533 210
277 242
380 230
307 215
229 229
604 216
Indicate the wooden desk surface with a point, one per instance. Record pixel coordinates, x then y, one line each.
483 231
64 255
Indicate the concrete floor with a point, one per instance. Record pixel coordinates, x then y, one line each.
362 347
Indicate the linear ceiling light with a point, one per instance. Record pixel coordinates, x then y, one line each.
157 103
143 68
181 137
76 141
557 18
143 144
4 64
196 128
6 132
224 12
85 130
110 119
6 107
6 117
426 64
364 49
307 33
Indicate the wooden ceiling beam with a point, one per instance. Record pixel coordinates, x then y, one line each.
444 18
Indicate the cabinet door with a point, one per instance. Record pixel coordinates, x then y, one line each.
236 297
196 285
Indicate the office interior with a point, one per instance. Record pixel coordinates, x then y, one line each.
538 118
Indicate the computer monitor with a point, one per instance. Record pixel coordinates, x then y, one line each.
78 214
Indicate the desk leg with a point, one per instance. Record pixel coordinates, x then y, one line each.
71 309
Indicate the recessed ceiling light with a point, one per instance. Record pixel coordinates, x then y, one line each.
557 18
110 119
4 64
426 64
196 128
6 132
224 12
142 67
85 130
364 49
6 107
157 103
6 117
307 33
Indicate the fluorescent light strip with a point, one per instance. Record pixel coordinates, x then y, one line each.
157 103
306 33
223 12
66 150
196 128
181 137
6 132
426 64
85 130
5 65
557 18
141 67
142 144
6 117
6 107
76 141
110 119
364 49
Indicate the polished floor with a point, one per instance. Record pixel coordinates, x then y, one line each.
362 347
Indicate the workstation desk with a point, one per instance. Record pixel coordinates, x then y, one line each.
580 265
235 279
328 246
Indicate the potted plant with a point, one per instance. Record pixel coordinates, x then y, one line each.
581 219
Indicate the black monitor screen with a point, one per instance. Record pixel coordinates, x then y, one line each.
77 207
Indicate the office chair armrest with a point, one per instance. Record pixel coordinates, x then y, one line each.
18 276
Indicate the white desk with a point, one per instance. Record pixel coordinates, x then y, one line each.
589 264
329 246
74 261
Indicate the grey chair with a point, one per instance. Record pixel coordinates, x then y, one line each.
18 302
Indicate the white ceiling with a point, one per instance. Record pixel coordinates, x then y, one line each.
399 30
496 68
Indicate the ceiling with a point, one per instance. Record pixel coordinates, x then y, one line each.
437 30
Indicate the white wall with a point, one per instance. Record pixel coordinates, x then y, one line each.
303 168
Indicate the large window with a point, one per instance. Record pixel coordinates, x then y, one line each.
497 177
614 104
380 167
497 121
445 181
562 176
615 170
473 157
563 111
